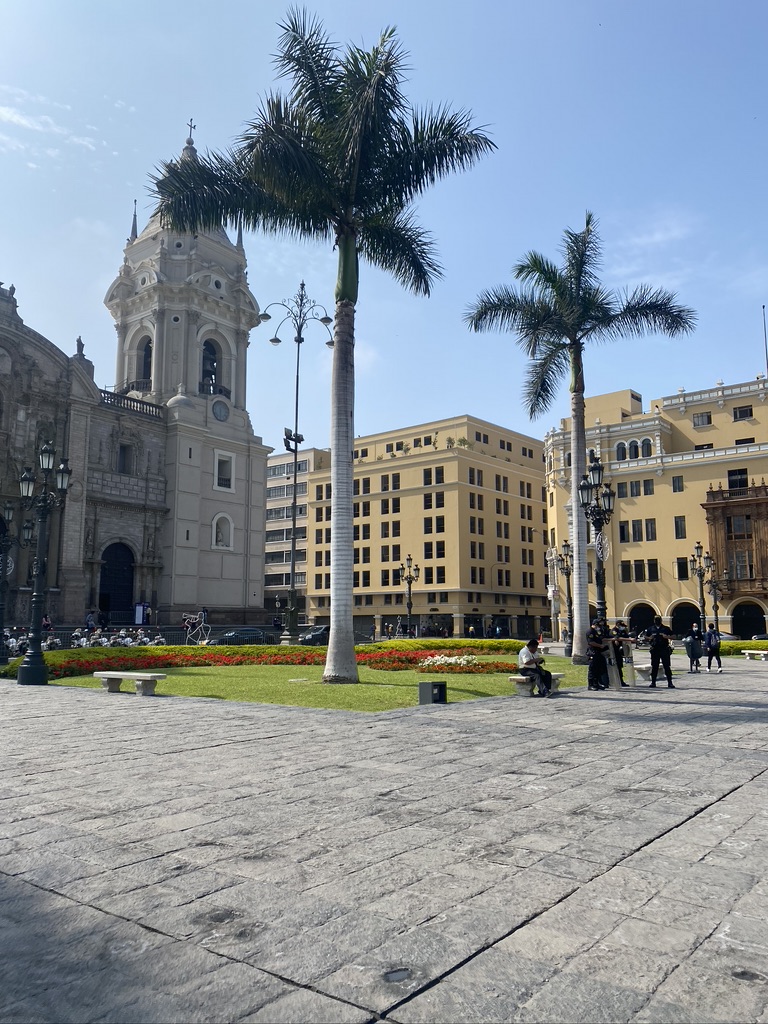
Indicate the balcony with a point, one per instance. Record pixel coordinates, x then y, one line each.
207 387
122 402
755 492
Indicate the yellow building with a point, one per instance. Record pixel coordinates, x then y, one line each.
465 499
692 468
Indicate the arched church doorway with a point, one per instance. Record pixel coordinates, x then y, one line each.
747 619
116 584
683 617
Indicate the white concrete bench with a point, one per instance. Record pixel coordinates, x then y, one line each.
643 673
762 655
526 685
145 681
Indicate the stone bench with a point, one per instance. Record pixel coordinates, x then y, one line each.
643 673
762 655
525 685
145 682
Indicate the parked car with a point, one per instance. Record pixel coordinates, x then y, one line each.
316 636
246 635
729 636
760 636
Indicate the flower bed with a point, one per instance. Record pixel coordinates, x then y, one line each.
389 658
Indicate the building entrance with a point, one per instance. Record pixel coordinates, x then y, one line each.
116 585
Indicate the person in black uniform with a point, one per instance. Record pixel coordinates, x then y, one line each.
660 637
597 642
621 633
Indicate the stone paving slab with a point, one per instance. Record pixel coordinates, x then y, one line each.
596 857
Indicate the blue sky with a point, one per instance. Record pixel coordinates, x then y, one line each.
651 114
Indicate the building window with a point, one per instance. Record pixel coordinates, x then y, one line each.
439 474
428 500
639 571
440 524
647 487
384 553
745 440
634 450
621 489
634 488
428 550
738 527
646 448
439 499
428 524
440 549
637 530
385 506
440 574
385 482
224 477
702 419
395 481
653 570
625 572
681 568
429 575
395 506
624 531
621 452
427 477
737 479
680 528
650 529
742 412
125 459
385 577
677 484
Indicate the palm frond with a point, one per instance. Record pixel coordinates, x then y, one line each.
307 56
535 320
583 254
649 310
395 243
545 374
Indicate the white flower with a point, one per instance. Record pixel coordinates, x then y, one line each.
436 660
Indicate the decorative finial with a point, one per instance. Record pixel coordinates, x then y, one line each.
189 152
134 225
192 127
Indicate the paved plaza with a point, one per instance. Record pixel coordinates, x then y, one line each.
595 857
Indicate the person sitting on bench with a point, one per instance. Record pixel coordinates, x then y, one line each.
529 663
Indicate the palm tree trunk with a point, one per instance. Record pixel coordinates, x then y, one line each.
340 664
578 468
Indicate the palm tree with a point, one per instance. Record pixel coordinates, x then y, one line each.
560 310
340 158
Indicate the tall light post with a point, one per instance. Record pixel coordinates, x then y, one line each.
300 310
33 671
716 587
409 574
565 567
597 501
7 541
699 567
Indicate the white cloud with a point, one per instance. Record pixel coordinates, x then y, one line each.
9 145
10 115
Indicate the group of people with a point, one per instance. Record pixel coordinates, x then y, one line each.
601 639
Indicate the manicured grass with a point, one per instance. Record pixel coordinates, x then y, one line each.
302 686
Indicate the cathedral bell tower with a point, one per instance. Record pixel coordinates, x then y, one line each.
183 311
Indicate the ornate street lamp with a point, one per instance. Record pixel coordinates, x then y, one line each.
565 567
409 574
699 567
33 671
299 312
597 501
715 586
7 541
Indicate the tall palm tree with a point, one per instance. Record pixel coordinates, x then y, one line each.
339 158
560 310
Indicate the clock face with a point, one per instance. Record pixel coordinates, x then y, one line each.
221 411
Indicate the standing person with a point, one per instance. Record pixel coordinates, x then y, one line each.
712 647
47 624
597 641
694 648
471 632
621 633
90 622
660 637
529 663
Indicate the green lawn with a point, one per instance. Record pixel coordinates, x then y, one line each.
302 686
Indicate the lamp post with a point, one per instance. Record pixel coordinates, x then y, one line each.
565 567
300 310
409 574
7 541
716 587
33 670
597 501
699 567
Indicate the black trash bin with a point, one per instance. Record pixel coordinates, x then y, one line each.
433 693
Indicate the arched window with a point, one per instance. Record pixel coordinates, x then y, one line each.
621 452
634 450
211 367
647 448
222 532
145 359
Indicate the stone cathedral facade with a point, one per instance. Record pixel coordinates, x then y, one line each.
166 500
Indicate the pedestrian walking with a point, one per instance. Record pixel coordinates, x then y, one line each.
712 647
620 634
660 637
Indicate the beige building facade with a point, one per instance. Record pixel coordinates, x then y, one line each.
465 499
690 469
